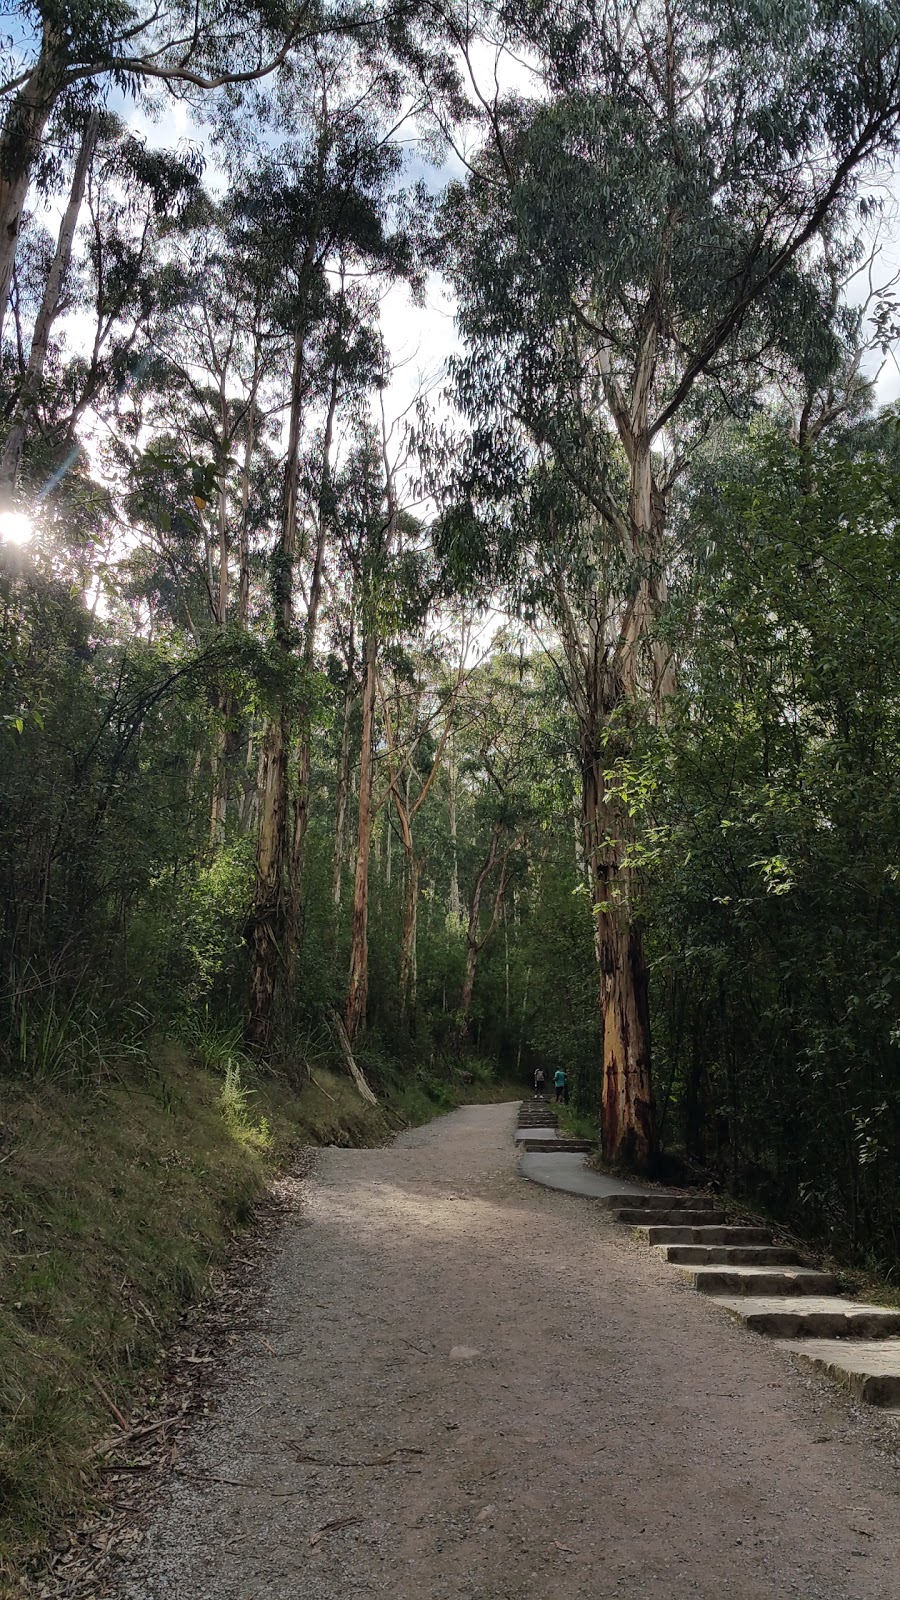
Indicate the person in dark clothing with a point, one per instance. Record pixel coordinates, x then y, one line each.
539 1083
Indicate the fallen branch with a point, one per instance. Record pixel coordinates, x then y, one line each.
144 1431
321 1088
365 1092
373 1461
330 1527
121 1419
242 1483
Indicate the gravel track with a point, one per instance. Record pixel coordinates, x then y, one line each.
512 1400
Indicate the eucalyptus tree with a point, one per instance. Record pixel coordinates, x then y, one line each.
391 590
647 243
499 751
68 54
422 699
125 206
48 310
367 529
208 408
318 208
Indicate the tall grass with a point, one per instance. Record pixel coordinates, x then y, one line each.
78 1037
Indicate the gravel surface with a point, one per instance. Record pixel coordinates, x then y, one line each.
512 1400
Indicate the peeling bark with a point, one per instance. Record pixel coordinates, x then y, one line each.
628 1123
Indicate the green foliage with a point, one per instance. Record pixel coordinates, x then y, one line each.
236 1102
214 904
773 900
215 1043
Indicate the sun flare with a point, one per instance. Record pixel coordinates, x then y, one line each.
15 527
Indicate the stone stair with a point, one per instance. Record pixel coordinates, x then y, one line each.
699 1233
768 1288
537 1118
581 1147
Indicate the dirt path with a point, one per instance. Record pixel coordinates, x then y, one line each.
513 1401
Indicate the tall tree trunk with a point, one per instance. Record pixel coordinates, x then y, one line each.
49 310
20 143
224 740
218 811
627 1116
455 906
264 926
473 944
266 922
304 755
249 787
408 958
343 790
246 466
523 1021
358 986
506 963
605 674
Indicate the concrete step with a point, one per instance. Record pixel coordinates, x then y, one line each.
869 1368
636 1216
556 1147
666 1234
661 1202
812 1317
738 1255
761 1280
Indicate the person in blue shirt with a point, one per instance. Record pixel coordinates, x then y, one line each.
561 1085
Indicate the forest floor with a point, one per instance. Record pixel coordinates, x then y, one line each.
456 1384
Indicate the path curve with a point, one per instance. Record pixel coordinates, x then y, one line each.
513 1401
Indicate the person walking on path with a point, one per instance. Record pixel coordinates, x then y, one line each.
539 1083
561 1085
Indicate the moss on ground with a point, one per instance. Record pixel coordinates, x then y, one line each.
116 1201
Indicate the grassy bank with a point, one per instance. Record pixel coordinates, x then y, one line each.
116 1200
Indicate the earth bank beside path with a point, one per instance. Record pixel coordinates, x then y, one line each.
460 1385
